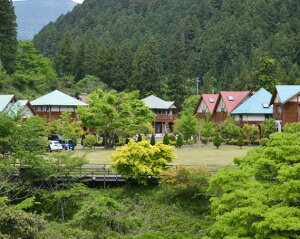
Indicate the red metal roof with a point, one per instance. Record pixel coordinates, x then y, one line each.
238 97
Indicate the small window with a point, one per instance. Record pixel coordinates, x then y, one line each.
241 117
211 100
266 105
230 98
222 110
203 112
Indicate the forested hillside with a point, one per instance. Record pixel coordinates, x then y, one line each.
228 44
33 15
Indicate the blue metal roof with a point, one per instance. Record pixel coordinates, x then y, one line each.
285 92
57 98
256 104
4 101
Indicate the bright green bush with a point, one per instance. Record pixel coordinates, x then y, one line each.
292 127
90 140
140 160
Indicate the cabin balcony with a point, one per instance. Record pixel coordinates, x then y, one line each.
278 116
166 117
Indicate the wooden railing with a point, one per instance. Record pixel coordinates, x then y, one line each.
166 117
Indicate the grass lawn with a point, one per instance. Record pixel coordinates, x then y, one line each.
187 155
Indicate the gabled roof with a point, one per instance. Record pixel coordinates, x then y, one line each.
285 92
153 102
57 98
19 106
4 101
256 104
232 99
207 99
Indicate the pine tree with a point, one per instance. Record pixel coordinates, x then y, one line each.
147 69
8 35
63 59
152 141
208 82
166 139
179 141
176 72
78 62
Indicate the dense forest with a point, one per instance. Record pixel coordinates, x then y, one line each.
33 15
227 44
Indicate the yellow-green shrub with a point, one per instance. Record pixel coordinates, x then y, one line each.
140 160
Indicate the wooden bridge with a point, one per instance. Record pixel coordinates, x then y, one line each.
104 173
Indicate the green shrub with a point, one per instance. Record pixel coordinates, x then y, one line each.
186 183
152 141
139 139
240 141
179 141
172 137
166 139
292 127
217 141
90 140
204 140
263 142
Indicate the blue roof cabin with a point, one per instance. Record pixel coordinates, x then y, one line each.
255 109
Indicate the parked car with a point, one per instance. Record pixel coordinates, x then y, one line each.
67 144
55 145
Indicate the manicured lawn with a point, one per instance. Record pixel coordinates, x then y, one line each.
187 155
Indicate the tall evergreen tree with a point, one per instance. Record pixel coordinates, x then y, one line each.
91 56
147 69
8 35
63 59
78 62
176 72
122 68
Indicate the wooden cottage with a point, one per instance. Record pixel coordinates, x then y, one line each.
206 105
255 109
166 113
228 101
10 105
286 101
51 106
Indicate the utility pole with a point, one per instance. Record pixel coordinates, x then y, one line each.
197 83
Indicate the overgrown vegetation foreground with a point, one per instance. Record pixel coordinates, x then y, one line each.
258 198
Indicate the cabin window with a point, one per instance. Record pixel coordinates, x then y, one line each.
267 116
203 112
241 117
211 100
230 98
222 109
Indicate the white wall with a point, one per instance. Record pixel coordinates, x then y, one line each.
202 107
221 105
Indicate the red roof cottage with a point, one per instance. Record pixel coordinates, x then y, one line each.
206 105
227 101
